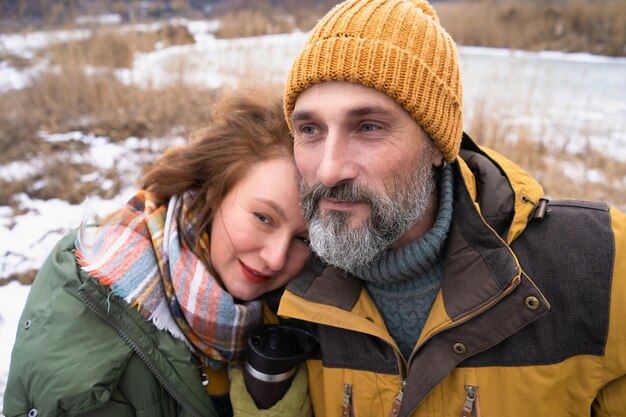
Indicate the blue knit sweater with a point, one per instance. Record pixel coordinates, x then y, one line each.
404 282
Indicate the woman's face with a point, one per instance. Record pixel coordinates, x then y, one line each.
258 235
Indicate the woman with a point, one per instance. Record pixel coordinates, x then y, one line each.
143 316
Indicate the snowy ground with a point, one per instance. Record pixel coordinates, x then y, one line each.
549 92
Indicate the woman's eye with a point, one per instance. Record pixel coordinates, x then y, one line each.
304 240
263 218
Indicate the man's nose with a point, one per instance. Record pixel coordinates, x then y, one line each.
336 164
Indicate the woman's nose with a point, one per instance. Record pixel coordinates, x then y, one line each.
274 253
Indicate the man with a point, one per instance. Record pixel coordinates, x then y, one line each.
450 284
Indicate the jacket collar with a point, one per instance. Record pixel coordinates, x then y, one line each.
512 194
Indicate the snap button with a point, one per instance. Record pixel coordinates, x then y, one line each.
459 348
532 302
32 412
27 324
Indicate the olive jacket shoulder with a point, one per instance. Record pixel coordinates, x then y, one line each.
530 318
81 351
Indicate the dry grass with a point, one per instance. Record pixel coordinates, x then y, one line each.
15 61
257 23
595 26
112 48
264 17
24 278
99 104
71 96
102 49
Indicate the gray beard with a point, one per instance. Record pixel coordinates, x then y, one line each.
393 213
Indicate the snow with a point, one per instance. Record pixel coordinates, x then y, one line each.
212 62
24 44
577 100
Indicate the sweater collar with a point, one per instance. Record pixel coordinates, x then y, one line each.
420 255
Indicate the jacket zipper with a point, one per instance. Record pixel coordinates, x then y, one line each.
514 284
402 369
470 408
346 404
99 311
398 400
347 407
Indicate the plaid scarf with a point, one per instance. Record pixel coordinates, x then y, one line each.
146 256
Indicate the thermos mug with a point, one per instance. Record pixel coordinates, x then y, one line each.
272 358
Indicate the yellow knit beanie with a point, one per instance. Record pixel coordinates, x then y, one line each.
395 46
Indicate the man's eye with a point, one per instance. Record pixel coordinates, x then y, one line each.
307 130
369 127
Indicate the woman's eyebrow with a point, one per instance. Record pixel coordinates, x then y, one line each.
272 204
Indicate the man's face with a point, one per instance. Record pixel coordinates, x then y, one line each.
366 170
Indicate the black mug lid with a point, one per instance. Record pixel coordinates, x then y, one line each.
276 349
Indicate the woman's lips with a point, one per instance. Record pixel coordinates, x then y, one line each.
253 275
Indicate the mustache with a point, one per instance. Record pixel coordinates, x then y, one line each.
348 191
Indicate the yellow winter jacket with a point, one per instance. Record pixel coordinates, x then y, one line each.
530 319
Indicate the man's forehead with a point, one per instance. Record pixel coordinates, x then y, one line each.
332 87
345 99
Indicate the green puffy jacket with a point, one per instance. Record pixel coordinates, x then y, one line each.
81 351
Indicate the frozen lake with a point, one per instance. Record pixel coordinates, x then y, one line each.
561 96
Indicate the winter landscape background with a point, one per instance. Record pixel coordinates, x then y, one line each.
561 115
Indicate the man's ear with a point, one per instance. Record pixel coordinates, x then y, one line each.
437 158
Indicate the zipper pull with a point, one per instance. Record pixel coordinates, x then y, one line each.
346 404
469 409
397 402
